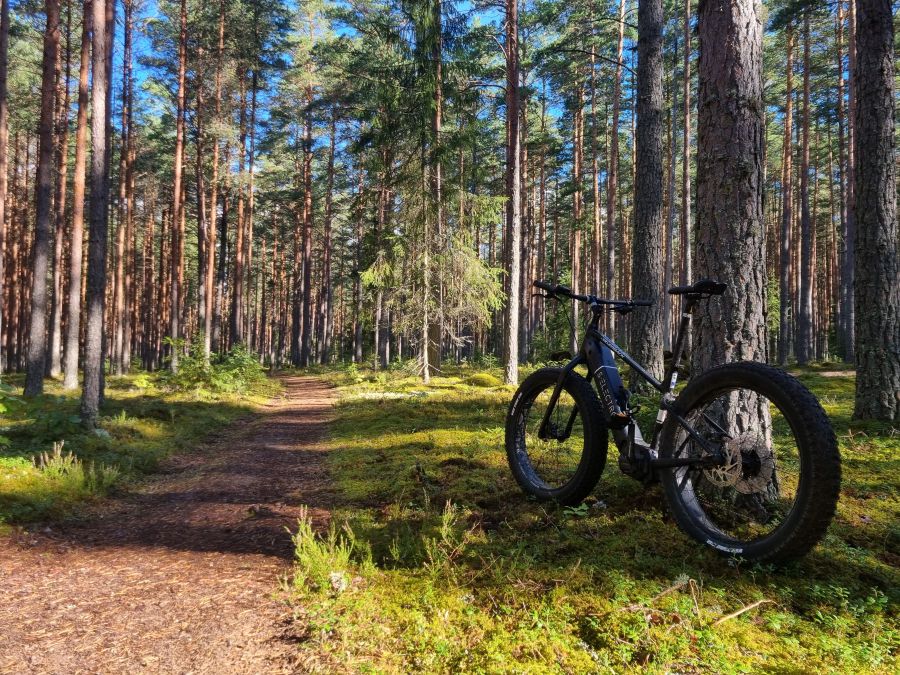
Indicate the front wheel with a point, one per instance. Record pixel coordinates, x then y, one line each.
776 493
564 462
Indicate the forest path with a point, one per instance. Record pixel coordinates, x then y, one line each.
180 573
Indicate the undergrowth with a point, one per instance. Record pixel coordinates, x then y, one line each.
143 420
440 563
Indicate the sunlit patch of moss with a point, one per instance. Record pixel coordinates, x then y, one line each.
141 423
613 587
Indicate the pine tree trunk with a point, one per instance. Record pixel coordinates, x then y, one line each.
54 344
731 232
647 261
40 256
849 267
99 223
306 318
803 347
212 307
125 206
513 187
76 242
178 215
787 209
877 282
4 165
612 176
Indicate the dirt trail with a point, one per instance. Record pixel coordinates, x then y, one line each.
180 574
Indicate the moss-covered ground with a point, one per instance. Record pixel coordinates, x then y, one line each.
438 563
50 464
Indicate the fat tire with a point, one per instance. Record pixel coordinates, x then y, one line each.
593 457
820 461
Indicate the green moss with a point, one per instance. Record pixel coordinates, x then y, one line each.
511 585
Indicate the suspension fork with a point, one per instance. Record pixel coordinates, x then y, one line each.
543 432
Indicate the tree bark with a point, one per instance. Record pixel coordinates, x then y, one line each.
513 187
178 215
787 209
99 223
54 344
40 256
877 282
731 233
804 346
76 242
4 161
612 177
647 261
326 294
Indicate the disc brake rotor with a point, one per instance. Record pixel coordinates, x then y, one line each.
748 468
729 473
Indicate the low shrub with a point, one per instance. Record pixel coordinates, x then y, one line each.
232 373
483 380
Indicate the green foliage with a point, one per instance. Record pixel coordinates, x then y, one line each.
233 373
483 380
500 583
327 564
50 484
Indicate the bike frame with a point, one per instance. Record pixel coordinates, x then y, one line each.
598 352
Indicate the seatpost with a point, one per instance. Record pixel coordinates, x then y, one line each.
683 326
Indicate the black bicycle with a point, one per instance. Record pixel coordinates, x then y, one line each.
746 455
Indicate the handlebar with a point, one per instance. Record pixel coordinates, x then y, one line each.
558 290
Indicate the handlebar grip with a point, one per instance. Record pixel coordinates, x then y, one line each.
543 285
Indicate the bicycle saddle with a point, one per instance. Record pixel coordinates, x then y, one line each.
700 288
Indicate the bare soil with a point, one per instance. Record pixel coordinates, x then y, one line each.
179 574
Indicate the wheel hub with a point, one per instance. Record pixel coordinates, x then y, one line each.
748 468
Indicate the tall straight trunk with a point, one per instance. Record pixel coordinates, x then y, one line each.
877 283
787 208
647 261
54 344
357 279
306 318
804 346
848 272
686 232
251 203
99 223
730 182
513 188
40 256
577 204
204 222
76 240
212 307
612 177
665 298
236 327
327 292
125 206
595 186
178 215
843 290
436 325
4 159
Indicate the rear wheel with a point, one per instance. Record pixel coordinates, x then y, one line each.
777 491
566 463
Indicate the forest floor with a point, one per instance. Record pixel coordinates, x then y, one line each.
178 572
436 562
